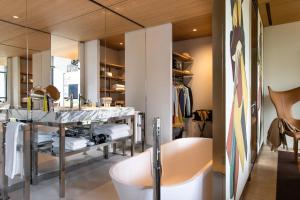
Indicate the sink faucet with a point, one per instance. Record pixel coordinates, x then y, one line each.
71 100
79 100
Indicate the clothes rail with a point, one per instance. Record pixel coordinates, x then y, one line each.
26 161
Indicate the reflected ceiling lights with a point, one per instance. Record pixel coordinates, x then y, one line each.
15 17
194 30
121 43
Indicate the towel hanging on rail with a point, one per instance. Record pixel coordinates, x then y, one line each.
13 152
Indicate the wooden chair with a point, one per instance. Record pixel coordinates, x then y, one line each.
283 102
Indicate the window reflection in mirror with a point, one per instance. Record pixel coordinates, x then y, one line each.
66 70
3 80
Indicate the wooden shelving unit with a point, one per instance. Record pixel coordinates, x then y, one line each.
182 57
177 72
111 65
183 72
23 80
116 78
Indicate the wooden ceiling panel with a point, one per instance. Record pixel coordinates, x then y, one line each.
155 12
183 30
285 11
37 41
109 3
90 26
8 51
98 24
9 31
83 20
10 8
116 25
43 14
282 11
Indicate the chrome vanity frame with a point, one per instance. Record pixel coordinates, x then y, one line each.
63 154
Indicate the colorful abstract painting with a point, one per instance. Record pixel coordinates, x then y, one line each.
237 144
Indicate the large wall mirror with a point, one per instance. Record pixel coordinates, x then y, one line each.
38 50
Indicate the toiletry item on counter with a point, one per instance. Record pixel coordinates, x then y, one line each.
106 101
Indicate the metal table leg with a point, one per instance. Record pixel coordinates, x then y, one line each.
105 151
4 193
124 147
133 120
143 132
34 155
62 172
26 161
114 148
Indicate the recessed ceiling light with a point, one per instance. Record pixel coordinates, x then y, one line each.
15 17
121 43
194 30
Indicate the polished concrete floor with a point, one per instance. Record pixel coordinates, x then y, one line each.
93 181
88 182
262 185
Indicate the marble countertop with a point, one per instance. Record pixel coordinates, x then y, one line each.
72 116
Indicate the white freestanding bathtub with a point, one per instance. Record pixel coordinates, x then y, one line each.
186 172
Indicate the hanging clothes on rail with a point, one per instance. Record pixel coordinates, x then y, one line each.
182 104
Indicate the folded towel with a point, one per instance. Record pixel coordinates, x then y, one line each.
13 157
45 136
118 86
118 135
108 129
71 143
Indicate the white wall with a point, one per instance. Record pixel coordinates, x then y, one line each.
201 83
159 79
81 57
92 70
155 77
41 68
281 66
13 79
135 71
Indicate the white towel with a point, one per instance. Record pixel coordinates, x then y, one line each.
45 136
13 157
71 143
118 135
108 129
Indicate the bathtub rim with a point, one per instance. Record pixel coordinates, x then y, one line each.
196 175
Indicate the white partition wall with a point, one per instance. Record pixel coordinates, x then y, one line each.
135 71
92 70
148 58
159 79
13 81
41 68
